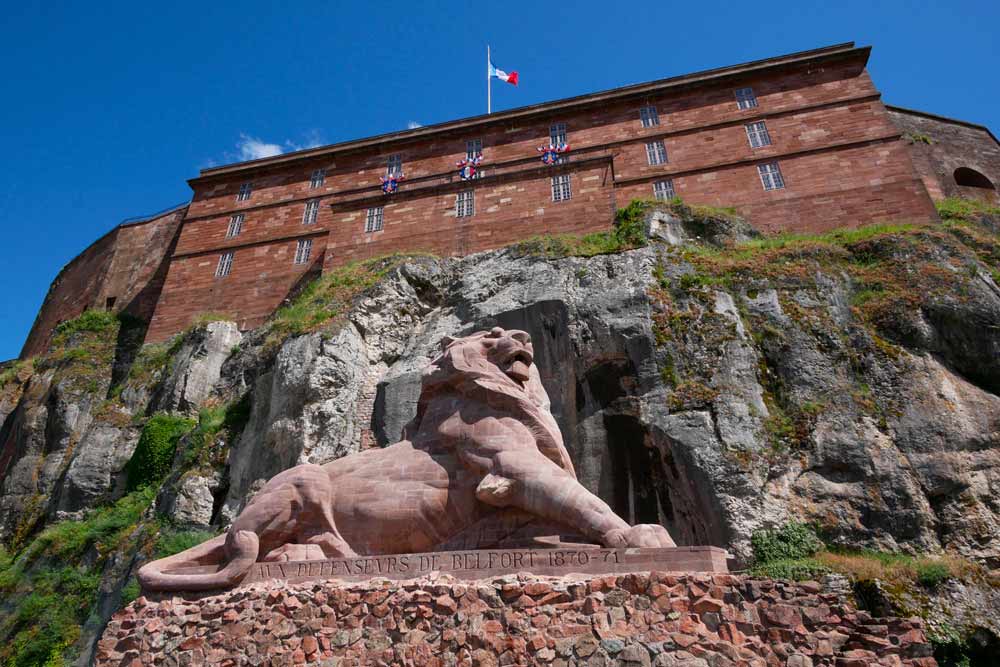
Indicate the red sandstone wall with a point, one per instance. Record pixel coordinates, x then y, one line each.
870 182
838 151
953 144
637 619
261 278
126 264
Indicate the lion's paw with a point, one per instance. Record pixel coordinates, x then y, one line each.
646 535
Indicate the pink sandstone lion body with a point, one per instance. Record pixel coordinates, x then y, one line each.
483 438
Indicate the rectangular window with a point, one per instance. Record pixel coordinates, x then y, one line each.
649 117
656 152
465 204
757 134
373 221
310 212
302 251
770 176
745 98
225 265
394 165
560 188
235 226
244 193
557 134
663 190
473 147
317 178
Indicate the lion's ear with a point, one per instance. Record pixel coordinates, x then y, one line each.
446 341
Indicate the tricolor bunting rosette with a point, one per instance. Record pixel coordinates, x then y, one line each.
469 167
390 183
551 153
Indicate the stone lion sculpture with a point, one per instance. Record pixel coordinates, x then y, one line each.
483 442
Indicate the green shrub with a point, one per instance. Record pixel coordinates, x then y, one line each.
172 541
154 454
796 569
90 321
931 573
45 604
793 541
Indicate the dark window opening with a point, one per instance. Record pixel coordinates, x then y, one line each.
972 179
109 303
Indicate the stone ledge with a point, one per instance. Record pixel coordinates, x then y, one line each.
479 564
652 618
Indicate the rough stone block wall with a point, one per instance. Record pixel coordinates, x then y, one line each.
656 618
126 265
953 144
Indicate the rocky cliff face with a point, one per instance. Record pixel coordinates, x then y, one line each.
849 381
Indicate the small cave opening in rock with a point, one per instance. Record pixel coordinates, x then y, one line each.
638 493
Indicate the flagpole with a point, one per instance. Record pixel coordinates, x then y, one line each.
489 87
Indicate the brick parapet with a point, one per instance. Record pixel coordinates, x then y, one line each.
651 618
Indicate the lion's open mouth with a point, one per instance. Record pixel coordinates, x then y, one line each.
517 366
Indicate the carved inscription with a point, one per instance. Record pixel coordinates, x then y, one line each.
477 564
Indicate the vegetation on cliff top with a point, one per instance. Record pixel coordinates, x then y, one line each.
325 299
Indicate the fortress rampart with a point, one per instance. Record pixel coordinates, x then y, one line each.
800 142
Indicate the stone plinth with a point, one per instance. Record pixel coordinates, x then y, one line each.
469 565
651 618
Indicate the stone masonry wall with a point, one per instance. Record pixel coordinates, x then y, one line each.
123 270
953 144
655 618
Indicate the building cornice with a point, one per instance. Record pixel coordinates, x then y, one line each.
838 51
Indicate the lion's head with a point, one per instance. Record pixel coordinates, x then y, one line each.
497 366
502 357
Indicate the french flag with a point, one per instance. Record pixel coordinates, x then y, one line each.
502 75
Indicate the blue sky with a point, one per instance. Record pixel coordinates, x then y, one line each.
112 106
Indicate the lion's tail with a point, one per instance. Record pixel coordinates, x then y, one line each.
243 554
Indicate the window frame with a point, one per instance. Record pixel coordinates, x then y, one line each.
465 203
771 177
394 165
374 219
668 190
235 228
562 188
303 250
656 153
246 189
317 178
649 116
746 98
311 212
757 134
473 147
557 130
225 265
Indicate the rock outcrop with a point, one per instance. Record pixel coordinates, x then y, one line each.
849 381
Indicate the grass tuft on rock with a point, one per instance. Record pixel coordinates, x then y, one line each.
330 296
155 450
49 586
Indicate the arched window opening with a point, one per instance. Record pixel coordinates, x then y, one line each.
972 179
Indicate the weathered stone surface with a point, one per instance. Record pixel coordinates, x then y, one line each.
420 618
196 367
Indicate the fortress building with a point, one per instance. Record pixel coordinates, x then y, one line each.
798 142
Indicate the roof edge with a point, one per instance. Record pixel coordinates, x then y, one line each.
587 98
